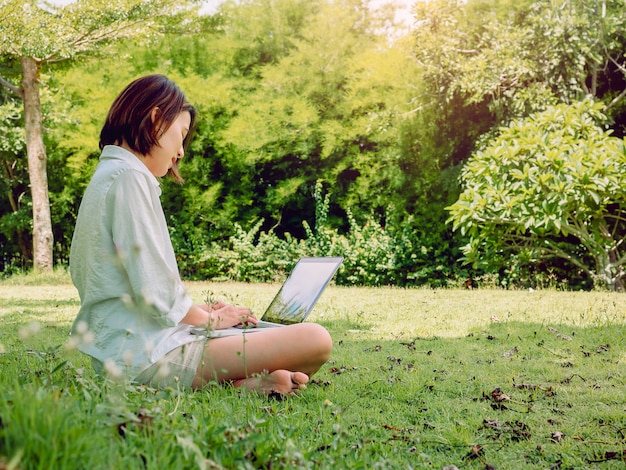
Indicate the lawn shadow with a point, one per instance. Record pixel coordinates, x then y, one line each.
511 395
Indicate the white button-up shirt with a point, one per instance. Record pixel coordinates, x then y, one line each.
123 265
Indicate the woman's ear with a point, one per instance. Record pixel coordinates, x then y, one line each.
155 115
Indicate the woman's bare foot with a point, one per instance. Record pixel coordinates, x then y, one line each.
281 382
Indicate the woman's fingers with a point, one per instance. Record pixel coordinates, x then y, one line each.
248 319
231 315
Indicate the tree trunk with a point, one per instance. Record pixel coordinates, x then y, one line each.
37 172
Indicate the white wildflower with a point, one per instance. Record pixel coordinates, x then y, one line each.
81 328
128 357
87 338
71 343
81 335
147 298
29 330
163 371
127 300
112 369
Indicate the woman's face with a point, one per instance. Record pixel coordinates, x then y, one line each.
170 148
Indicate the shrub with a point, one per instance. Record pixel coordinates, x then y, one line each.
398 253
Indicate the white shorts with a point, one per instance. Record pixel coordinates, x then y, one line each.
176 369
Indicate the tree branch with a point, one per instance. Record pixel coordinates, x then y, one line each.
10 86
615 100
551 247
96 36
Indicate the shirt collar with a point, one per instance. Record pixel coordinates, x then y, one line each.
114 152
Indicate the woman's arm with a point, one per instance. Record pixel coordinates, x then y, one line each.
197 315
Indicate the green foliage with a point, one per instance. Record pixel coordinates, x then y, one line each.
34 34
57 33
487 63
293 92
399 253
265 148
15 209
552 185
14 138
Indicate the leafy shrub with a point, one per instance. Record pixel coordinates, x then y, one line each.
397 253
551 185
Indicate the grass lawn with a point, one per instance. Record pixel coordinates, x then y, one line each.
419 378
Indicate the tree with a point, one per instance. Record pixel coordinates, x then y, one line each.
286 97
552 185
35 34
488 62
328 107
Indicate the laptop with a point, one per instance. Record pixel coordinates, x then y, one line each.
295 299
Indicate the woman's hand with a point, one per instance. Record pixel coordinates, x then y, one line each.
219 315
222 315
213 305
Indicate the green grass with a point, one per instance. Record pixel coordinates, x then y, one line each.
413 383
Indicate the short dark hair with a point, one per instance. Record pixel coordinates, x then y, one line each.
129 118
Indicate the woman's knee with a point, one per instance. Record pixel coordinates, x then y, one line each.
318 337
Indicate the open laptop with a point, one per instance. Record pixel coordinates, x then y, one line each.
295 299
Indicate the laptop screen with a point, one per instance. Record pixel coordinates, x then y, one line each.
297 296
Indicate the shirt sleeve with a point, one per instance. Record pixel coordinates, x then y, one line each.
144 249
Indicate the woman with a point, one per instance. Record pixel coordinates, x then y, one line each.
135 317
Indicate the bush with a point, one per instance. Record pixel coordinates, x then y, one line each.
398 253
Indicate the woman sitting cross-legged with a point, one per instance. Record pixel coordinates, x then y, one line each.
136 316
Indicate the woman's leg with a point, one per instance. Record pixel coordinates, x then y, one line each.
273 360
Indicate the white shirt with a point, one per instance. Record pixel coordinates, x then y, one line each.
123 265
